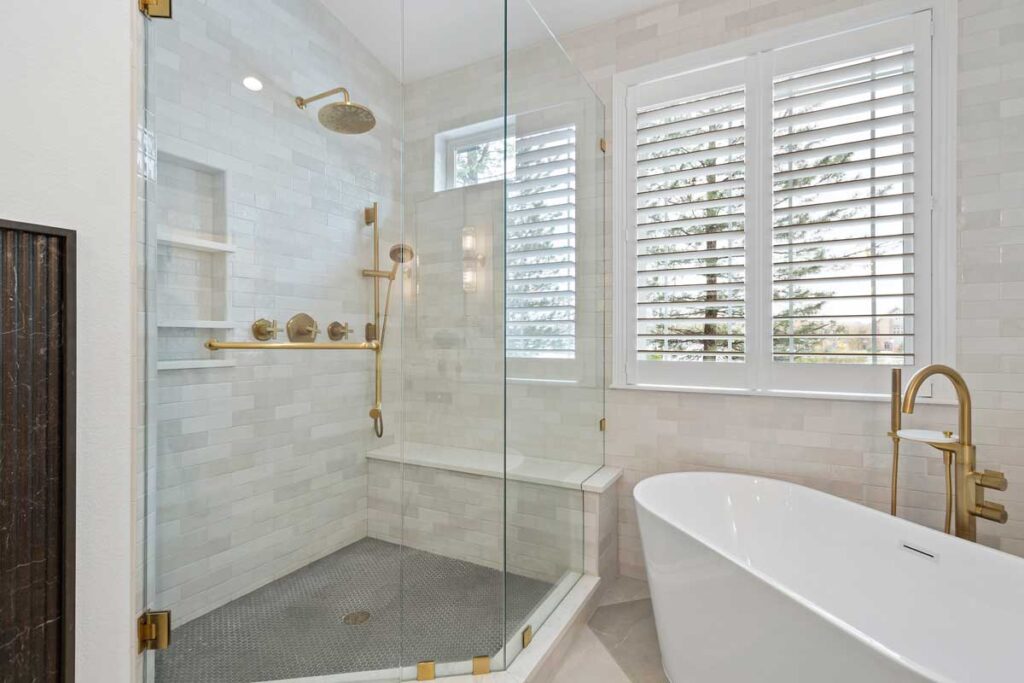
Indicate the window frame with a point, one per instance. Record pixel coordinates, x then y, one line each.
760 377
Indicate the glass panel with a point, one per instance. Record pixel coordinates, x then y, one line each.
554 327
448 496
257 470
291 535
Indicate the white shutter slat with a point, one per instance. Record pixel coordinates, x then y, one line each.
842 220
689 221
540 247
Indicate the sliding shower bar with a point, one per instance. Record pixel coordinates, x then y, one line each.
215 345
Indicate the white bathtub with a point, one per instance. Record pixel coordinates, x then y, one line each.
755 579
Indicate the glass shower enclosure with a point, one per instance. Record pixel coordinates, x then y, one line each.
373 267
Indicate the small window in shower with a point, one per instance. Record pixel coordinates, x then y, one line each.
473 155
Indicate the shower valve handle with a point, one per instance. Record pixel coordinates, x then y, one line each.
337 331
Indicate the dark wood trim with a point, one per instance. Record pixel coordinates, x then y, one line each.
69 286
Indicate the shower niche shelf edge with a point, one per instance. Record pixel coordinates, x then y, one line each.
192 226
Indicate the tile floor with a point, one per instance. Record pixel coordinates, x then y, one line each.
619 643
421 605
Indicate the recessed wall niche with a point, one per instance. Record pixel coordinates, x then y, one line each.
193 261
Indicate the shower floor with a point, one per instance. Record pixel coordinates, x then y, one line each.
446 610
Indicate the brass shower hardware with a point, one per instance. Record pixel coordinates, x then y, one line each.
338 331
959 455
154 630
341 117
265 330
425 671
216 345
302 328
156 9
481 665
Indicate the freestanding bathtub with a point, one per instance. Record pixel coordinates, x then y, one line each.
755 579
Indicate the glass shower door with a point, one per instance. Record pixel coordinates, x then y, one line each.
256 476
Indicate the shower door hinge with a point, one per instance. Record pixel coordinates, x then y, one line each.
155 630
602 424
156 9
603 145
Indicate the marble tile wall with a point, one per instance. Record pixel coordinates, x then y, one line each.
258 469
840 446
461 515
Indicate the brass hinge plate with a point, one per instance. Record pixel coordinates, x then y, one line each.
602 424
156 9
425 671
603 144
155 630
481 665
527 636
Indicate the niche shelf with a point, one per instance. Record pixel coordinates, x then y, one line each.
193 259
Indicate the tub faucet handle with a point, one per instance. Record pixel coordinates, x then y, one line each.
992 479
993 512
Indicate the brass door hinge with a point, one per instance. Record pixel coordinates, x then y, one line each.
603 145
425 671
527 636
602 424
156 9
154 631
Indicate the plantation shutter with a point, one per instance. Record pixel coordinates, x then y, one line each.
540 288
776 233
843 210
688 226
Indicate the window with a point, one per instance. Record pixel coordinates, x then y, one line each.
540 233
540 251
473 155
777 233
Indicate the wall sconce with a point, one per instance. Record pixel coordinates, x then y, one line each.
472 259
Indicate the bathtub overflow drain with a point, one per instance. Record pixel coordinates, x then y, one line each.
356 618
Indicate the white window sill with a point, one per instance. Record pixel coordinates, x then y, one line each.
826 395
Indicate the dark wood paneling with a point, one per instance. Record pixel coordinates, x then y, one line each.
36 453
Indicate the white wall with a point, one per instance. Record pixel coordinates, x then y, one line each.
65 145
840 446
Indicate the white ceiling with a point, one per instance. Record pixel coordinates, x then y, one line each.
441 35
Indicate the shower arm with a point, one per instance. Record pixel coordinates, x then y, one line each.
301 102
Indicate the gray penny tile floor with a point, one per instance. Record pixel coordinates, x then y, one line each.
421 606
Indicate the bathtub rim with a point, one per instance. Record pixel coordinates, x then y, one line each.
639 496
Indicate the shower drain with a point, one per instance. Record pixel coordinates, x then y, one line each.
356 618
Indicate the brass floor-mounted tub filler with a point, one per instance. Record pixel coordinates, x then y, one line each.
302 329
959 454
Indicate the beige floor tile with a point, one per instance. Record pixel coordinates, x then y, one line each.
587 661
624 589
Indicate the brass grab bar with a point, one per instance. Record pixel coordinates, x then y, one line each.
215 345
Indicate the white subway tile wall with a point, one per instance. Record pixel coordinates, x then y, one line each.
840 446
259 469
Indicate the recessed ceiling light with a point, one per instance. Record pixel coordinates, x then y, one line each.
252 83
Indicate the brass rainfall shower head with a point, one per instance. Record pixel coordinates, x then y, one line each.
341 117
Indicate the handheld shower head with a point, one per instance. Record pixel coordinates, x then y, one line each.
401 253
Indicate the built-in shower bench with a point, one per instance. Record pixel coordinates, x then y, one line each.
515 467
